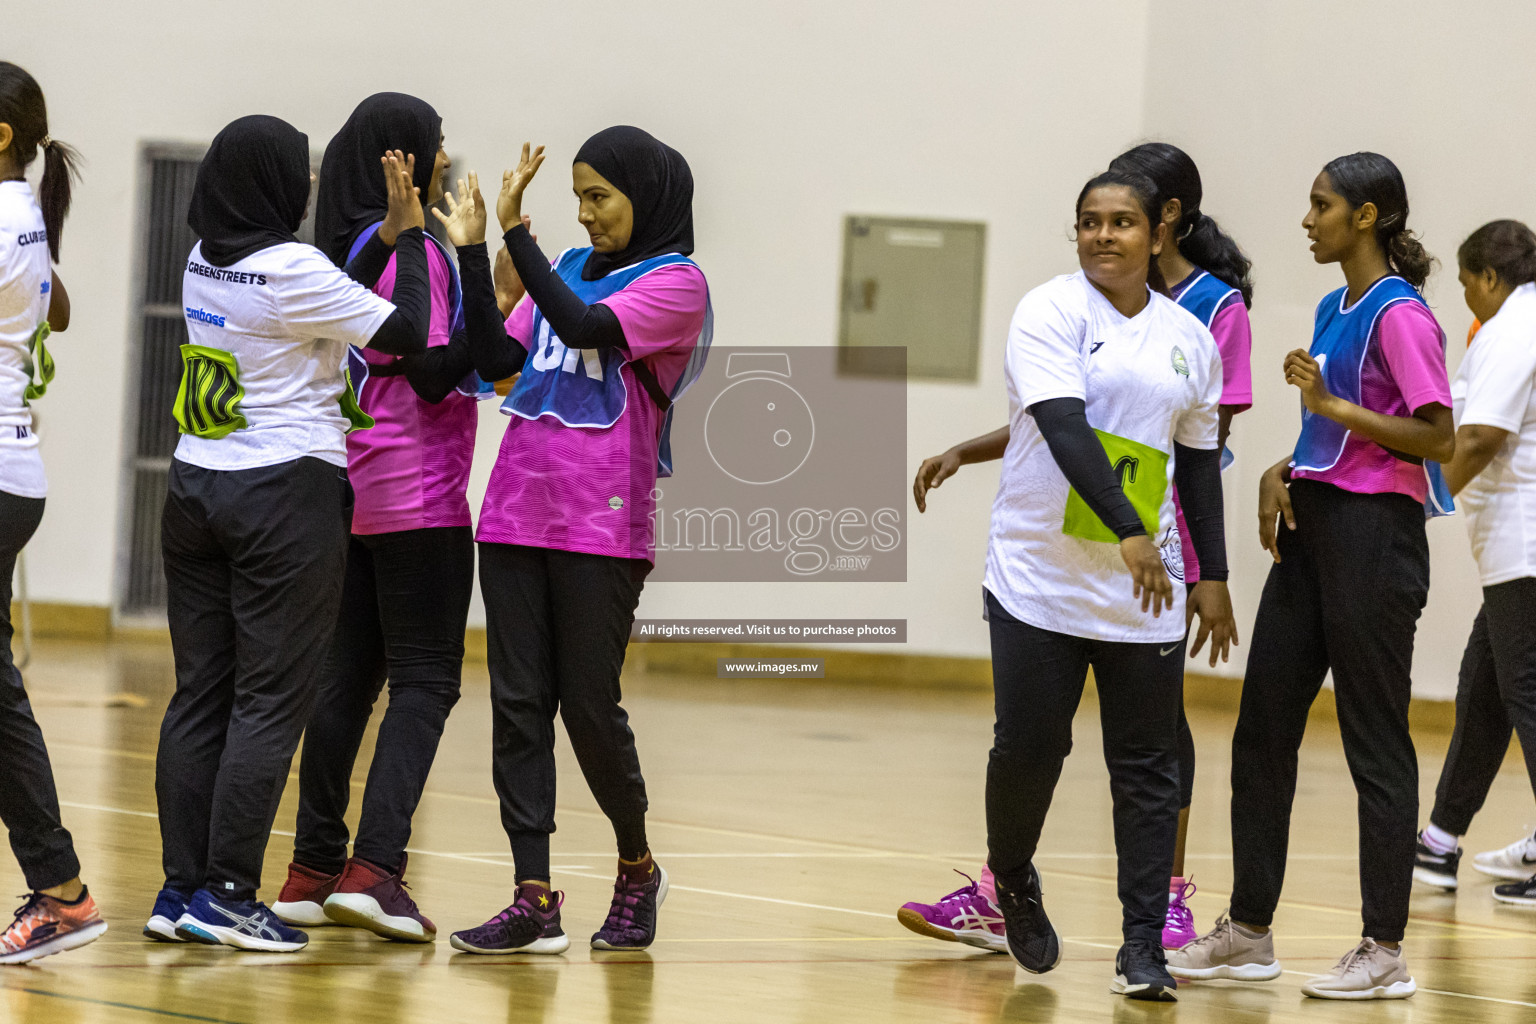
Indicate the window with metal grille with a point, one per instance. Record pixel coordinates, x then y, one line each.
168 173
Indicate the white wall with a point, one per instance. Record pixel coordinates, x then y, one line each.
791 114
1262 95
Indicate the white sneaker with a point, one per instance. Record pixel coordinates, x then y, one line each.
1515 863
1368 971
1225 952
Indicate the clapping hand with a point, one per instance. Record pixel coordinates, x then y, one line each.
509 204
465 220
404 198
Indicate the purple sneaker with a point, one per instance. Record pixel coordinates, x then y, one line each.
530 925
965 915
1179 928
637 893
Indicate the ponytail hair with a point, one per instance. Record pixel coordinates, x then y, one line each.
1145 192
1507 247
22 107
1198 236
1371 178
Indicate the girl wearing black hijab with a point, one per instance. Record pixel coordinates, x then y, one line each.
411 557
254 532
615 333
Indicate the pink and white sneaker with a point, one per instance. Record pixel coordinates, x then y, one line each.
1179 927
966 915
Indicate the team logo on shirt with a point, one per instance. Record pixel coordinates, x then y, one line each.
1180 364
31 237
202 316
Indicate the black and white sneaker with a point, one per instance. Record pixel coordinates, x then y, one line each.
1437 869
1141 972
1519 894
1031 939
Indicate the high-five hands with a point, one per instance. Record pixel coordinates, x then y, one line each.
404 198
465 220
509 204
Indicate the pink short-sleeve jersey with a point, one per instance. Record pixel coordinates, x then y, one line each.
1403 371
589 489
410 470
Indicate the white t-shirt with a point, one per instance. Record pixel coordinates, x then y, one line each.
1493 389
286 314
1151 380
26 274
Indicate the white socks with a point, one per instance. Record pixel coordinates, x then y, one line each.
1439 840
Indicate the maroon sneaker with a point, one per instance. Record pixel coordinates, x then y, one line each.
637 892
369 897
302 901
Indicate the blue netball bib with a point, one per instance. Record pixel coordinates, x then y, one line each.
1341 339
583 387
1204 297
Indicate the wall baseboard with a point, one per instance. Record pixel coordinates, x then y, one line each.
71 621
876 668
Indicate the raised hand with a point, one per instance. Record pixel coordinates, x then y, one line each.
509 287
465 221
404 198
509 204
1306 375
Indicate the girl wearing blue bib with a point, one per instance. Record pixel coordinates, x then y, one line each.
1350 579
615 332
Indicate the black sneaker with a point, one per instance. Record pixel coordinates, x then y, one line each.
1141 972
1031 939
1520 894
1437 869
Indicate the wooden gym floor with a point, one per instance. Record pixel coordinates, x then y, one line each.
794 819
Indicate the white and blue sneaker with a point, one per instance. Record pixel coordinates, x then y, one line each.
170 904
243 924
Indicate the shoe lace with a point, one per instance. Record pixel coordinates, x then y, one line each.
1145 953
964 892
1178 907
627 897
1356 958
1223 927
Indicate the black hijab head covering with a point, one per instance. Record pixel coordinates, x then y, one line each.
656 180
251 190
352 194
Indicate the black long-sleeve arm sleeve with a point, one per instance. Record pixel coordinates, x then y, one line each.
1063 422
494 354
1197 476
405 331
578 324
482 344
